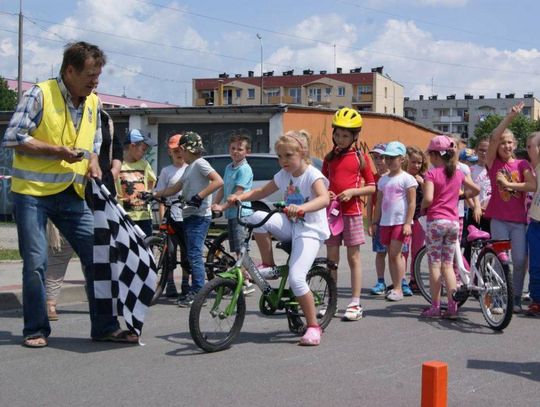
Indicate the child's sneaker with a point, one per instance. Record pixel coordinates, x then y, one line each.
533 310
248 288
312 337
378 289
170 290
452 311
354 312
413 285
394 296
431 312
407 292
186 301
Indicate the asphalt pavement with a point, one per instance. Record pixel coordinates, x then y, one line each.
372 362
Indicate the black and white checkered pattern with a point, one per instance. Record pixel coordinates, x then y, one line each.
125 270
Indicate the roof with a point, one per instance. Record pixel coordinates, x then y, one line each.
288 81
105 98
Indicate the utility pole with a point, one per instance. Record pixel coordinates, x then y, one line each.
259 36
19 71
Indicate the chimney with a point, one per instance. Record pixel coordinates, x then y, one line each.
339 70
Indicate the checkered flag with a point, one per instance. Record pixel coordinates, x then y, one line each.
124 268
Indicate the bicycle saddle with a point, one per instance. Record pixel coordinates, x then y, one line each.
476 234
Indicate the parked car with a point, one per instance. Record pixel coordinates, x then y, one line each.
264 167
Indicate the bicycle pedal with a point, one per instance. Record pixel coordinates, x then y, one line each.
461 295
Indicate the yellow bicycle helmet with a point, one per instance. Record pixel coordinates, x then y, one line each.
347 118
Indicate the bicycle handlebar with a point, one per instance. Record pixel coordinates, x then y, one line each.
280 207
150 197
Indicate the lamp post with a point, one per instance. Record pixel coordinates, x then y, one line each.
259 36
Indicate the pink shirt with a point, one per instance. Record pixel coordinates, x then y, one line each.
508 206
445 194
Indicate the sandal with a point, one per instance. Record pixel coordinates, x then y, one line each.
51 312
119 336
36 341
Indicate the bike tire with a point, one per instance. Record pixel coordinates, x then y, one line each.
158 245
218 259
498 296
324 290
210 329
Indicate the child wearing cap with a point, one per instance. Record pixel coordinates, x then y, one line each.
169 176
442 185
136 176
198 182
394 213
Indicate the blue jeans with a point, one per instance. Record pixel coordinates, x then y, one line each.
195 229
533 240
75 221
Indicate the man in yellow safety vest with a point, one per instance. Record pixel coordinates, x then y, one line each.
55 133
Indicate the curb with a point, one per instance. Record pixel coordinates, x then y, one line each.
70 293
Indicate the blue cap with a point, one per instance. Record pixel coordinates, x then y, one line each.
378 148
135 136
468 154
394 149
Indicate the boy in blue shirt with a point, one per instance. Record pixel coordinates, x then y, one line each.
238 178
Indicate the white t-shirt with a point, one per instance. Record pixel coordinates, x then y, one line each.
464 168
481 178
298 190
534 210
394 203
169 176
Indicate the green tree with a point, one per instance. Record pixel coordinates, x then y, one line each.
521 126
8 97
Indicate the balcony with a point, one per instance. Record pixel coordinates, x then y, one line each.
448 119
363 98
275 100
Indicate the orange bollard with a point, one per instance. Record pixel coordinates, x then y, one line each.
434 384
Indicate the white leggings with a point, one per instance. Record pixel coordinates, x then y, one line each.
304 249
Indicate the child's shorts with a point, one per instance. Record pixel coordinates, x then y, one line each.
237 234
389 233
353 232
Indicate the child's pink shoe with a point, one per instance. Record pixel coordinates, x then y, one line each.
431 312
312 337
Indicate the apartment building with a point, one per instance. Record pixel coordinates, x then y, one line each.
366 91
461 116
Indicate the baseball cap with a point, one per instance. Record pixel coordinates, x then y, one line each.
192 142
378 148
441 143
174 141
135 136
394 149
468 154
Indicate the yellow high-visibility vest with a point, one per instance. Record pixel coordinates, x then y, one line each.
41 175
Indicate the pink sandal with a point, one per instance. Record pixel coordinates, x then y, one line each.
312 337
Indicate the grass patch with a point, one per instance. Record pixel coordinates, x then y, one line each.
9 254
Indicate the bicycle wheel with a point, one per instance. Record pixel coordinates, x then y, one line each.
421 273
211 329
218 259
421 276
324 290
497 298
158 245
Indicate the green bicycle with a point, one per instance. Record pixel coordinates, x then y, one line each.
218 310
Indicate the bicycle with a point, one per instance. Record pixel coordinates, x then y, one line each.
488 278
164 247
218 310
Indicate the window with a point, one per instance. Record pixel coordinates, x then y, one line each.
328 91
341 91
272 92
424 113
315 94
251 93
296 94
385 92
366 89
238 93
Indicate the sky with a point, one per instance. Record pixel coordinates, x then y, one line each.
156 47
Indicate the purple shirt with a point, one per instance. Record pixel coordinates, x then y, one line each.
445 194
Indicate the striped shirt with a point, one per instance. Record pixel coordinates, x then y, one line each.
29 112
